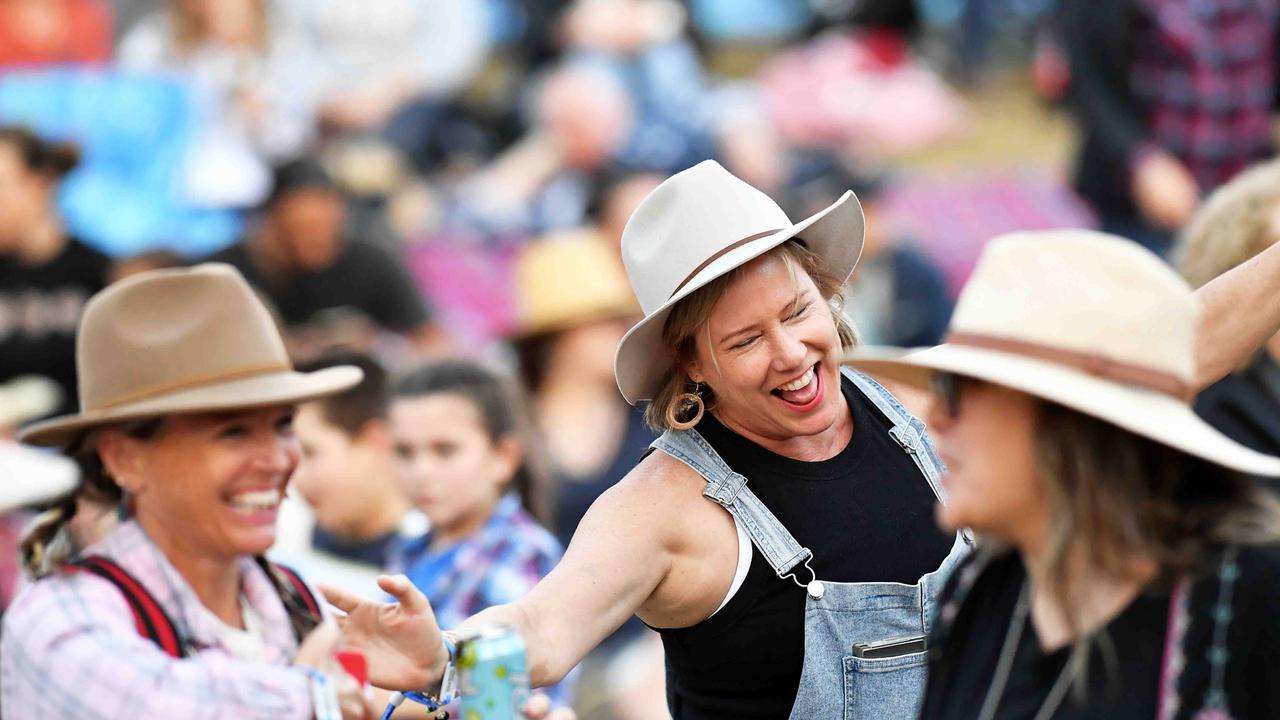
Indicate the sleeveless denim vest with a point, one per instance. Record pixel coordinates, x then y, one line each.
834 683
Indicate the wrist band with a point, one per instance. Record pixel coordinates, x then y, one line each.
324 695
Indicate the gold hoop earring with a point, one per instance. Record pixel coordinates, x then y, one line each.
688 405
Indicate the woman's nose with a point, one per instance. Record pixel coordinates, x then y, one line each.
789 350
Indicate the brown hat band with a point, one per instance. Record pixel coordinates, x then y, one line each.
191 382
1091 363
717 255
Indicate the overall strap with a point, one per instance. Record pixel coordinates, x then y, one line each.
729 490
908 430
300 603
149 617
910 433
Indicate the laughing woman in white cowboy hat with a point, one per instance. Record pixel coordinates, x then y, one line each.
187 399
808 598
1128 567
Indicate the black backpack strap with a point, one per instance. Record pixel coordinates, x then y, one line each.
149 617
302 605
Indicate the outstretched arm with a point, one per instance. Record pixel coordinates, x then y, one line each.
1241 311
620 553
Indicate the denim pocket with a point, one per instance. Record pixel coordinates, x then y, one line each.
884 688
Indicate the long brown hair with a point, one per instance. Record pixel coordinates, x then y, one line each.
46 546
671 409
1120 495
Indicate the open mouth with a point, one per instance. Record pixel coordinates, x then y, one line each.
252 502
802 393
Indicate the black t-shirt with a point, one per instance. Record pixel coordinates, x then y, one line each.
364 277
40 307
867 515
1245 405
965 653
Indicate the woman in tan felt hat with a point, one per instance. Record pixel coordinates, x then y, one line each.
811 595
1128 567
187 398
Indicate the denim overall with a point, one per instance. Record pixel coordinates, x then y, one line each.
834 683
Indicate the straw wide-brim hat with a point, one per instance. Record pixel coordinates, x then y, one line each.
568 278
696 226
181 341
1086 320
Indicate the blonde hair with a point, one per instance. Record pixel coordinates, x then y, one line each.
1233 225
1119 496
672 408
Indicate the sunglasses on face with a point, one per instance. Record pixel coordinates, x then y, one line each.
946 387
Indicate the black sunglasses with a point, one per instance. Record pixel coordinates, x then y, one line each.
946 387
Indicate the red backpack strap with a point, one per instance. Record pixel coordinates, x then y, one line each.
149 617
301 604
304 593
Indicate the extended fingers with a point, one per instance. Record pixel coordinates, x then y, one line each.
411 599
341 599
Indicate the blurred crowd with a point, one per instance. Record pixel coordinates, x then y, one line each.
447 181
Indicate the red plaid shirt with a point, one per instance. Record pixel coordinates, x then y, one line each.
1206 70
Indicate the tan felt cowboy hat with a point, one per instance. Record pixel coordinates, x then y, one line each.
179 341
1086 320
568 278
696 226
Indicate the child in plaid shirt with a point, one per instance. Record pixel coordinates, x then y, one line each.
462 455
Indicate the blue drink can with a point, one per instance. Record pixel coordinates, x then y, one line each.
492 676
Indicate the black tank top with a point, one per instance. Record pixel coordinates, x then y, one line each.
866 513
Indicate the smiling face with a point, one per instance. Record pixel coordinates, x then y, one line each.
988 446
208 484
771 354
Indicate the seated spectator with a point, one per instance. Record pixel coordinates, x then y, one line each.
897 295
46 275
347 479
1238 221
565 338
38 33
463 455
369 60
330 291
252 85
619 196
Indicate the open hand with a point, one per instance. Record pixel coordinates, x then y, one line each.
400 641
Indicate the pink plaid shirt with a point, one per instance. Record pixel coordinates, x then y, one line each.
69 649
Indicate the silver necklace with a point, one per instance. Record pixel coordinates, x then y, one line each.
1008 652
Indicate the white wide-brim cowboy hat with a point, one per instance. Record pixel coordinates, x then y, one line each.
26 398
696 226
181 341
1086 320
